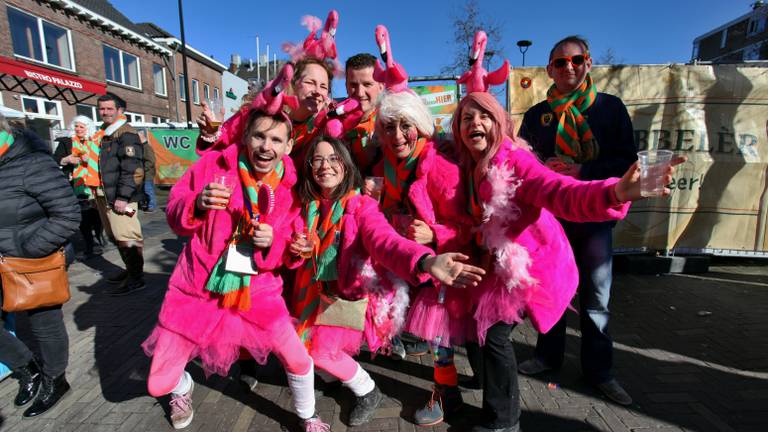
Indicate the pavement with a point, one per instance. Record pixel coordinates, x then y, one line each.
692 350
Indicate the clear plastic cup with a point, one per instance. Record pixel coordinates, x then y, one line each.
653 166
228 182
217 108
306 245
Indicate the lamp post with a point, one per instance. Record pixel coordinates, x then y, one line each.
523 45
184 66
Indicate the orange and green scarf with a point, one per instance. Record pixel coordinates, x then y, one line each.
303 133
86 175
359 138
6 141
322 268
235 287
398 176
574 139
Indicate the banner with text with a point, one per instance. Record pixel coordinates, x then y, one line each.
441 101
174 153
717 116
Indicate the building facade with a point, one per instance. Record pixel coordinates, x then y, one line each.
742 39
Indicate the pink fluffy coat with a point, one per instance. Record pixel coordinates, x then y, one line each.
534 271
375 262
191 312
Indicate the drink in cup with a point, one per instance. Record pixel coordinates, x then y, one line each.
653 167
306 245
215 106
375 185
228 182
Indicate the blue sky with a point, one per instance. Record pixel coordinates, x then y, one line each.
651 31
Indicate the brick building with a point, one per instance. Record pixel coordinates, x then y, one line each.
56 56
744 38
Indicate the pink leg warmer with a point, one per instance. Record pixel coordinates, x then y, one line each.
292 353
339 364
168 364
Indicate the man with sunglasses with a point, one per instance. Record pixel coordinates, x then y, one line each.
588 135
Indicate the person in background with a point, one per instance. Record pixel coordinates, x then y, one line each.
38 216
362 87
72 155
150 203
586 135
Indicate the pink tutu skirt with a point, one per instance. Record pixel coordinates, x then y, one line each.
496 303
450 323
194 326
333 340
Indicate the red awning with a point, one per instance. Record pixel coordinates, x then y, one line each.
40 81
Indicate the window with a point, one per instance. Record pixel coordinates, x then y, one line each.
36 107
206 92
182 88
159 120
158 74
723 38
134 118
121 67
87 111
216 93
756 25
195 92
36 39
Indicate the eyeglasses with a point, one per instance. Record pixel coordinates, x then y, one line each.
392 127
576 60
333 160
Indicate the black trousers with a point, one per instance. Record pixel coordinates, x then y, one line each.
501 393
48 333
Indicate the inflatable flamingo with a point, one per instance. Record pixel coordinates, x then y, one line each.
272 98
394 77
340 117
321 46
477 79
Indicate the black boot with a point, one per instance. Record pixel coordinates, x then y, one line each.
29 377
51 391
365 407
134 265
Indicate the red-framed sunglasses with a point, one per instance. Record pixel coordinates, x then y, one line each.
576 60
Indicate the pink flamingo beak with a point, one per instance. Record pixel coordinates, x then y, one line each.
332 22
381 40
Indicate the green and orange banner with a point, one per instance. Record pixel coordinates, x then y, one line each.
174 152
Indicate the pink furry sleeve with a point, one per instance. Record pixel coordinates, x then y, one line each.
565 197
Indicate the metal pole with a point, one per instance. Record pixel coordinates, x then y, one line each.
258 62
184 60
267 70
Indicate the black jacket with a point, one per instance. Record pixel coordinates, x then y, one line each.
63 149
38 210
121 166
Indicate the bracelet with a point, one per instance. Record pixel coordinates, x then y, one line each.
211 138
420 263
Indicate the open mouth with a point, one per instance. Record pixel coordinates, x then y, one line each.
477 135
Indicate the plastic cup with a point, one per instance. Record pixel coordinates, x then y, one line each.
228 182
653 167
216 107
306 245
375 184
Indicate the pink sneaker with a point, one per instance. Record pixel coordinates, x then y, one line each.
315 424
181 409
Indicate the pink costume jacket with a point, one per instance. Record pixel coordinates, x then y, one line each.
374 261
534 271
439 199
189 310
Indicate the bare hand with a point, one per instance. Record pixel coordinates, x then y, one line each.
447 269
70 160
205 120
628 188
119 207
420 232
262 235
213 197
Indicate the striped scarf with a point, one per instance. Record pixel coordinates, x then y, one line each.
322 268
235 287
86 175
359 138
474 208
574 139
398 176
303 134
6 141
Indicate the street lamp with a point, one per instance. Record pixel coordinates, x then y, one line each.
523 45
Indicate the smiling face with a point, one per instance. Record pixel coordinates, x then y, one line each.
570 76
108 111
327 168
398 136
363 88
475 127
267 143
312 88
80 130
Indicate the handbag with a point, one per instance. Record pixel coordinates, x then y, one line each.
31 283
338 312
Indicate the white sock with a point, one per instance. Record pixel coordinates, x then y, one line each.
361 384
325 376
303 388
184 385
